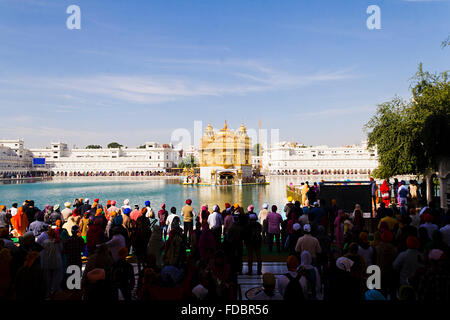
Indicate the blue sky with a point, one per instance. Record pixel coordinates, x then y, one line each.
137 70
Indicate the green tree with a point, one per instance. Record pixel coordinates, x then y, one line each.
93 146
188 162
114 145
411 137
445 43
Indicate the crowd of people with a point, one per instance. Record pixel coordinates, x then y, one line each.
118 173
192 255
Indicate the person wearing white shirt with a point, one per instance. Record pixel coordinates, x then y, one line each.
215 219
66 212
126 204
262 217
13 209
215 222
170 217
150 212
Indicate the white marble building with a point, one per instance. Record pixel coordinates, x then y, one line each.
15 159
288 158
152 158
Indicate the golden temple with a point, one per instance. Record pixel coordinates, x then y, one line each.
225 155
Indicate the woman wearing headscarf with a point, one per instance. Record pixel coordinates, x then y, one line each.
20 222
357 217
74 219
385 193
310 279
385 256
365 249
51 262
175 248
221 276
141 238
204 214
206 243
359 267
110 224
155 245
94 236
342 286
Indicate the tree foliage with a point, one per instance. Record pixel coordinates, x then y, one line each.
445 43
188 163
411 137
114 145
93 146
256 149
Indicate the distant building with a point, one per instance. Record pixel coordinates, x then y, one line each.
15 159
288 158
191 151
150 158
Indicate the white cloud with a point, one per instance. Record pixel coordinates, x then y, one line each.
234 78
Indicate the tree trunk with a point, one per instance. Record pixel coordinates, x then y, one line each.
429 182
443 192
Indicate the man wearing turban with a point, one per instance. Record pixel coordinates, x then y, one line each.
20 222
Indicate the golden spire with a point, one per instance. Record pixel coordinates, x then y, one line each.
225 127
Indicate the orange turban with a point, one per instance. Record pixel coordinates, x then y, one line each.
292 262
364 237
